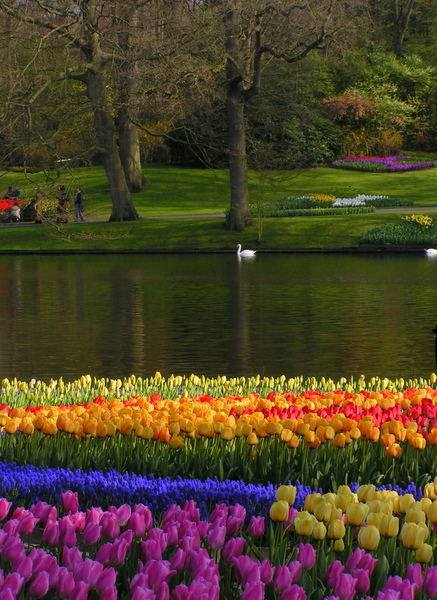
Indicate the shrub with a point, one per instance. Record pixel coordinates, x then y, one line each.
406 231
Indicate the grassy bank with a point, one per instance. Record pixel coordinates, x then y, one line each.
187 192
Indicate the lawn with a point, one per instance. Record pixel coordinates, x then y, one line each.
172 191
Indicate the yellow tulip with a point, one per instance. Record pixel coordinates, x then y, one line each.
432 512
287 493
304 523
389 526
424 553
279 511
336 529
374 518
252 439
342 501
323 510
338 545
176 441
319 531
368 538
356 513
413 535
415 515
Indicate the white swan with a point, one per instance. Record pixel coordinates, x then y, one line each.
431 252
245 252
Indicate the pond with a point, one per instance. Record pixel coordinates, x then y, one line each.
312 315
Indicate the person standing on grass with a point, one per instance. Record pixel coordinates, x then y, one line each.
79 201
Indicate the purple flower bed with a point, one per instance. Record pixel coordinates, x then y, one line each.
388 163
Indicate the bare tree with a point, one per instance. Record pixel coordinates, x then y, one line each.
83 33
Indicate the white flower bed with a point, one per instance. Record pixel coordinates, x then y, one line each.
359 200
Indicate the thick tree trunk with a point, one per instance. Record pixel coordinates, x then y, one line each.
239 215
122 205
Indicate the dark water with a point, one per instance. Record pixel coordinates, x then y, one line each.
321 315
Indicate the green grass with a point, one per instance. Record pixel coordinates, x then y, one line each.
175 191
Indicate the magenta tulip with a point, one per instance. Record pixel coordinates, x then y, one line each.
71 557
22 565
151 549
137 523
332 573
266 571
109 525
295 568
8 594
360 559
143 594
65 584
92 533
4 508
177 561
344 586
79 592
11 527
282 579
294 592
306 556
146 512
216 536
233 547
192 510
157 572
51 534
106 580
363 581
430 582
88 571
256 527
67 532
11 549
203 528
13 582
246 569
109 594
79 520
118 552
159 536
122 513
94 514
44 512
172 531
39 586
414 575
254 590
233 524
180 592
70 501
103 554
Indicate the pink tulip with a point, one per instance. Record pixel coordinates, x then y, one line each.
344 586
4 508
67 532
70 501
51 534
233 547
246 569
11 549
143 594
363 581
162 592
94 514
39 586
192 510
266 571
79 592
282 579
8 594
294 592
430 582
295 568
292 514
53 572
106 580
122 513
4 536
159 536
254 590
88 571
203 528
157 571
144 511
103 554
13 582
44 512
79 520
233 524
332 573
219 513
180 592
127 536
150 549
71 557
256 527
110 593
216 536
177 561
109 525
360 559
189 543
22 565
137 523
172 531
306 556
42 560
92 534
414 574
65 584
11 527
407 590
118 552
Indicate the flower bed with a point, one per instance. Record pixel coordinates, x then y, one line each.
382 164
81 532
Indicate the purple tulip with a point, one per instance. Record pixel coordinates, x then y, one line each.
137 523
106 580
118 552
172 530
192 510
430 583
51 534
143 594
266 571
44 512
67 532
65 584
282 579
42 560
203 528
180 592
233 547
159 536
256 527
151 549
233 524
253 590
363 581
22 565
11 527
109 594
157 571
39 586
122 513
127 536
79 592
306 556
178 559
70 501
143 510
216 536
88 571
219 513
246 569
103 554
4 508
334 570
4 536
360 559
11 549
294 592
414 575
295 568
8 594
92 533
109 525
344 586
94 514
71 557
13 582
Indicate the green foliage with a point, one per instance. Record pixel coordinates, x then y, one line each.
406 232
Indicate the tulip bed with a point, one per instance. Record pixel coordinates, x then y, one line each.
382 164
250 488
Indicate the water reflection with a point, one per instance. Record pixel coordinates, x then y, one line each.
215 314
